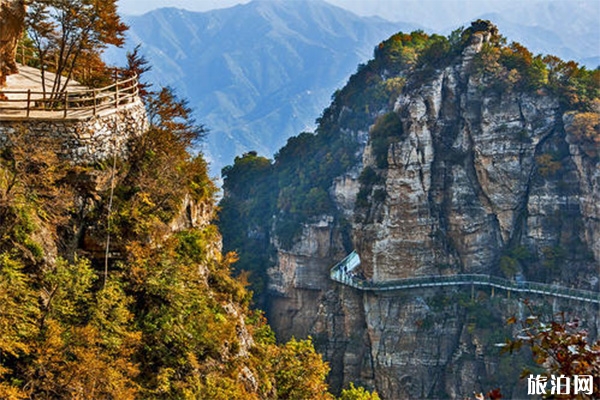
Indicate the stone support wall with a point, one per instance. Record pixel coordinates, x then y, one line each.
87 140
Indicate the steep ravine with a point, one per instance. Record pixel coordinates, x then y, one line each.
475 180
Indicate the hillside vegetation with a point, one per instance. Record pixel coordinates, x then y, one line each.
161 317
165 319
113 284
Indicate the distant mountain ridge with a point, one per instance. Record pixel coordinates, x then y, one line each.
260 72
256 73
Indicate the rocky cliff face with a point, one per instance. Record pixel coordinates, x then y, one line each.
465 182
474 179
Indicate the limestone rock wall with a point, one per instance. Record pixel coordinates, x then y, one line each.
459 179
300 276
466 190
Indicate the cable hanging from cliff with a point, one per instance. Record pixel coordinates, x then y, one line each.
110 201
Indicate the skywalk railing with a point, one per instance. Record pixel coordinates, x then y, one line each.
342 273
25 103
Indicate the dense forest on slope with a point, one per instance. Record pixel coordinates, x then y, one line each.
165 319
161 317
295 187
113 283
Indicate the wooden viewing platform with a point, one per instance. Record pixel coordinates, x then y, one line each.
25 98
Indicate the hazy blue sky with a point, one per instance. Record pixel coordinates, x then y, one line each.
435 14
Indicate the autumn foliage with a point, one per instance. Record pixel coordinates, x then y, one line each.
67 37
560 347
159 316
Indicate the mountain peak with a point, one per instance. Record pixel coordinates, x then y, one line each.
259 72
481 31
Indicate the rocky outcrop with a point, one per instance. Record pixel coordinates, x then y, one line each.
458 181
477 180
588 176
300 275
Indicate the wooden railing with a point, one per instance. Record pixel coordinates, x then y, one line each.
65 104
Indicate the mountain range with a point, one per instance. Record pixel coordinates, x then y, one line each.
260 72
257 73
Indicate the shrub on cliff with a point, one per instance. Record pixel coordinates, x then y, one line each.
561 348
585 129
505 68
358 393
